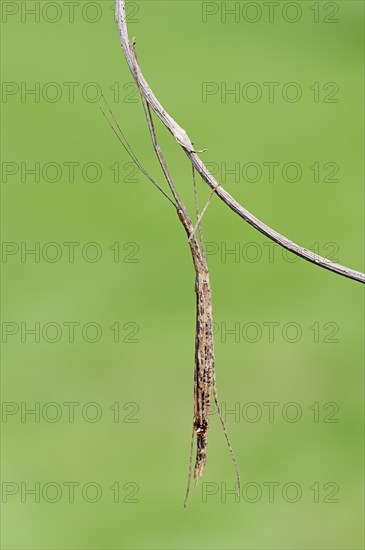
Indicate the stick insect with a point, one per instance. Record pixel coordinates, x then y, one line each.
205 385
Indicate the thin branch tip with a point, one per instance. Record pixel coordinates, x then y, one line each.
184 141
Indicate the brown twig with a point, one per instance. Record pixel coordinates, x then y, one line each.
183 139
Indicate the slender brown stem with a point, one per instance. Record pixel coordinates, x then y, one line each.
183 139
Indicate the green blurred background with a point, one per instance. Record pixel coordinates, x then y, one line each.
149 291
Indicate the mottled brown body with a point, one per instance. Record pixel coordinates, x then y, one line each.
204 369
204 349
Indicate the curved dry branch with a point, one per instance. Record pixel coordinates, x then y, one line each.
183 139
